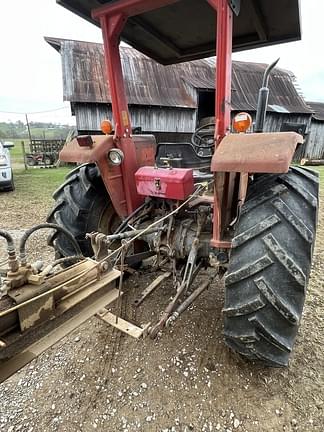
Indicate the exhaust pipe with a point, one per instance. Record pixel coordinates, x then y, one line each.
263 99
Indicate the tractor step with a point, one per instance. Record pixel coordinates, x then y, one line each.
123 325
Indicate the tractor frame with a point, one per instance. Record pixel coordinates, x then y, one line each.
119 181
251 217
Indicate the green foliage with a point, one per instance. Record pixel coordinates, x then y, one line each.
18 130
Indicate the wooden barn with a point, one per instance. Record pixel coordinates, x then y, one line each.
314 148
170 101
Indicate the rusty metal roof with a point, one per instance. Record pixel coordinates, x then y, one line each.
150 83
318 110
185 30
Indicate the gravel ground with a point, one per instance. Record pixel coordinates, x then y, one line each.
98 379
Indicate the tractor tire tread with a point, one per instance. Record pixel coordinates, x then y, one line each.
79 201
269 266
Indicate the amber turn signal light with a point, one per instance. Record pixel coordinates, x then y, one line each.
242 122
106 127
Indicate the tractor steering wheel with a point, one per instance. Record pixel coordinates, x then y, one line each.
205 139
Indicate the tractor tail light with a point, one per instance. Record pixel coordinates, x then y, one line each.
242 122
106 127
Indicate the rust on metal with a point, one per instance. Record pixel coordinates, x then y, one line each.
145 146
148 83
36 312
256 153
33 350
29 314
318 110
72 152
112 177
123 325
244 181
153 285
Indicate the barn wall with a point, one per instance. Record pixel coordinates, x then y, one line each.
315 145
162 119
176 124
274 122
156 119
313 148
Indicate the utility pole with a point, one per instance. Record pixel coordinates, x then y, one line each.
29 134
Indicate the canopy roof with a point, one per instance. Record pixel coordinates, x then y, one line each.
185 30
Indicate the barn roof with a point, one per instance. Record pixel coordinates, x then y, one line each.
318 110
150 83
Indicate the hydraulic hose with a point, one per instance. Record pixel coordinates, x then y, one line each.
8 237
28 233
69 259
12 258
129 217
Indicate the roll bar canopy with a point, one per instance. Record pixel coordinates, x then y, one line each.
185 29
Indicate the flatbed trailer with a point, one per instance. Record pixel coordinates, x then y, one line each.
44 151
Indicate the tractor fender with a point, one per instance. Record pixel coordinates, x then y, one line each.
145 146
96 150
256 152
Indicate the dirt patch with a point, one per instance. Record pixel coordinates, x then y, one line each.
99 379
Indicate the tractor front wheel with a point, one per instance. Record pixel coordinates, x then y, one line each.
82 206
270 265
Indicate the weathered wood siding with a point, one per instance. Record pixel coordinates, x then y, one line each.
149 118
315 144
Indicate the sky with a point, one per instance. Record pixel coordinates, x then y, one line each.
30 69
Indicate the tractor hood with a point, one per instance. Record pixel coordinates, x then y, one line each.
185 29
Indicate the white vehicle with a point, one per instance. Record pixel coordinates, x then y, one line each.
6 176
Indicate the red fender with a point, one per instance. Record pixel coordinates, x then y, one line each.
256 152
112 176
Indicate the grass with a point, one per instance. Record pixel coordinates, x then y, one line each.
16 152
320 170
32 199
38 182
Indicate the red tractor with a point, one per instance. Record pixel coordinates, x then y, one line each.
229 202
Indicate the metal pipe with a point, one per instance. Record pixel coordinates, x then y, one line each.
268 71
263 99
11 250
28 233
189 300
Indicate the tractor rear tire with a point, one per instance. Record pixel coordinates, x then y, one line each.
270 264
82 206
